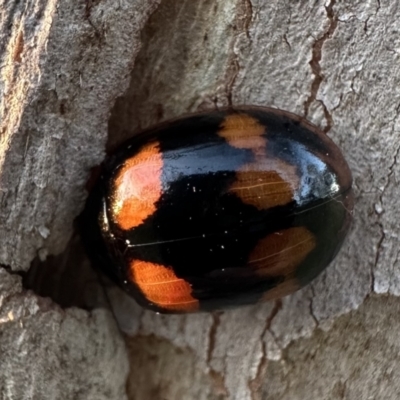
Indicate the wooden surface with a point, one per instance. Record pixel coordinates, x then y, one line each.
76 75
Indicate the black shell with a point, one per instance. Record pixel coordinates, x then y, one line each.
219 209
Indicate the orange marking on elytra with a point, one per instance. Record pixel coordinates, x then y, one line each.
242 131
263 183
280 253
138 187
262 189
161 286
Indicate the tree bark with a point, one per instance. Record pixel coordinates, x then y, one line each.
77 78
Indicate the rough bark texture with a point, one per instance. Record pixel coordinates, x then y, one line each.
68 69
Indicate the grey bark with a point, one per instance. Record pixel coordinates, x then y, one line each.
77 77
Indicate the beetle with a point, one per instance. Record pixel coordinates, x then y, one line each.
219 209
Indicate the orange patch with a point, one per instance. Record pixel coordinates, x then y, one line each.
162 287
280 253
263 183
242 131
138 187
262 189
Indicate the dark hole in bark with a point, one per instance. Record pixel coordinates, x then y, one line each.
68 278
